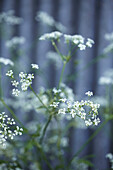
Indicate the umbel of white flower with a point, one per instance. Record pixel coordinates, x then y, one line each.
8 128
25 80
6 61
9 18
78 108
77 40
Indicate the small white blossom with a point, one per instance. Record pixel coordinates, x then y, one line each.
15 92
89 93
30 76
89 42
73 113
96 121
88 122
15 83
10 74
104 80
22 75
35 66
82 46
62 111
55 91
54 104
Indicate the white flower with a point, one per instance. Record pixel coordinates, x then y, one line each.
48 20
88 122
54 104
73 113
30 76
6 129
89 93
53 35
6 61
89 42
82 46
15 41
96 121
76 39
9 18
10 74
15 83
104 80
15 92
22 75
35 66
62 111
55 91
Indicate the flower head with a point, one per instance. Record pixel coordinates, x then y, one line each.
35 66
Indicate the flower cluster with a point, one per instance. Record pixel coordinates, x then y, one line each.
6 61
9 18
35 66
109 48
78 108
89 93
52 36
48 20
6 131
110 157
10 74
25 80
77 40
15 41
107 79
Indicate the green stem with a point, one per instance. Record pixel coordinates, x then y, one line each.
13 114
43 155
89 140
39 98
57 50
45 128
62 72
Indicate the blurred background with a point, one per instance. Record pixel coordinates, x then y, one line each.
89 18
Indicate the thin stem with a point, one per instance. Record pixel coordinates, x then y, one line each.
39 98
62 72
43 155
89 140
13 114
45 128
57 50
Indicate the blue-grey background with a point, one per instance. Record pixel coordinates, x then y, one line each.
90 18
